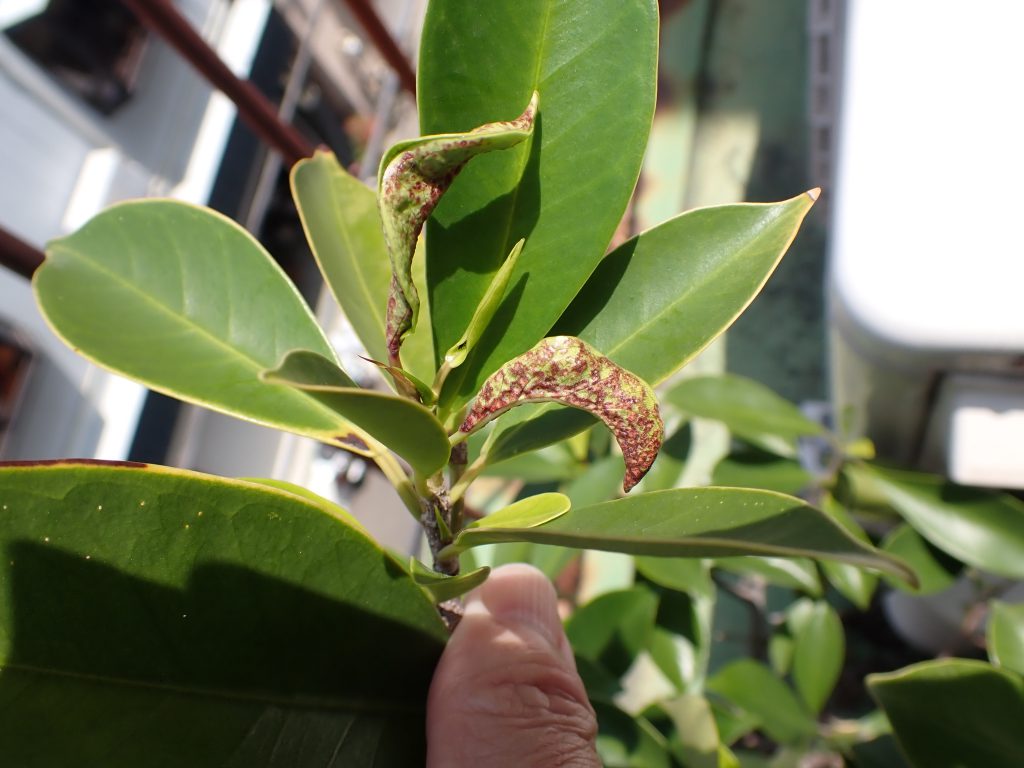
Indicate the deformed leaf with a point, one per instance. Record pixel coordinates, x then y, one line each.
564 369
407 428
484 313
413 175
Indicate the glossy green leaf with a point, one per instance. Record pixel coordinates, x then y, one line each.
158 617
413 176
748 408
339 215
628 742
818 652
753 687
521 515
701 522
954 713
614 628
660 298
593 63
1006 635
981 528
442 587
566 370
407 428
791 573
906 543
187 302
456 356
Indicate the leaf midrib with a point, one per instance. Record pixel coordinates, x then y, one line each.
188 323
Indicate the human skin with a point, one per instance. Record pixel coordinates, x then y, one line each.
506 691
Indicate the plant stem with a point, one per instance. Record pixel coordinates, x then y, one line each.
466 478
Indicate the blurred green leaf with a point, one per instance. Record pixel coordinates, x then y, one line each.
685 575
905 543
981 528
695 741
407 428
754 688
627 742
187 302
1006 635
554 463
613 628
794 573
818 651
855 584
753 468
699 522
748 408
342 224
155 616
954 713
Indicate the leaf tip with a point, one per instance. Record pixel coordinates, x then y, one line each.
814 194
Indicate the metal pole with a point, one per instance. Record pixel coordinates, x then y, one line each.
17 255
383 42
255 109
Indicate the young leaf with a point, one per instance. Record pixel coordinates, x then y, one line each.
455 356
699 522
566 370
441 587
413 175
339 215
407 382
407 428
187 302
594 64
158 616
954 713
521 515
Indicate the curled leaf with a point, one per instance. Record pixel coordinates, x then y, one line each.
413 175
564 369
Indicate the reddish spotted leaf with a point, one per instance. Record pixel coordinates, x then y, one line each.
413 175
564 369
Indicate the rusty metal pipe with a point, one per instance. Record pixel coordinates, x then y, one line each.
254 109
17 255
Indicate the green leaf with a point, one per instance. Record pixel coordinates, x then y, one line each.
552 464
749 409
594 64
905 543
187 302
566 370
628 742
818 651
413 176
521 431
684 575
613 628
158 617
954 713
441 587
1006 635
981 528
456 356
695 742
662 297
798 574
853 583
753 687
521 515
407 382
407 428
339 215
754 468
700 522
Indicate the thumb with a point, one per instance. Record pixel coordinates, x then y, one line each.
506 691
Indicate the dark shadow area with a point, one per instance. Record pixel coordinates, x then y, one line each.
230 629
